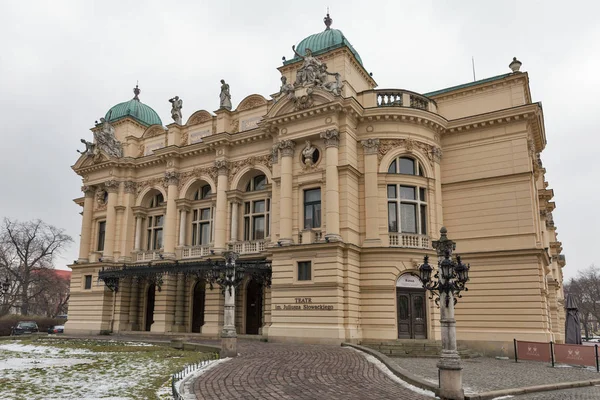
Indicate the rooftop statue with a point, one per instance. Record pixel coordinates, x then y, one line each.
177 105
106 140
286 89
225 96
89 148
313 73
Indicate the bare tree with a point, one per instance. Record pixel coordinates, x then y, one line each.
24 248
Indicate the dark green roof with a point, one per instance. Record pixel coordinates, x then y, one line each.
466 85
323 42
135 109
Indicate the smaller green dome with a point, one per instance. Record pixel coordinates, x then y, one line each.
322 42
135 109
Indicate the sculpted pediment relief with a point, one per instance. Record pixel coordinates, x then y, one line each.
199 117
154 130
302 98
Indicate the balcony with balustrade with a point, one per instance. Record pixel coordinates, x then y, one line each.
196 251
147 255
248 246
382 98
409 240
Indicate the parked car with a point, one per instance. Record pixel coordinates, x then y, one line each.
23 328
56 329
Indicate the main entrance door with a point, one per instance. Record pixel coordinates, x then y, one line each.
253 307
150 307
198 306
411 308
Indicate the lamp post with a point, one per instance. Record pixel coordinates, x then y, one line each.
5 288
229 277
447 283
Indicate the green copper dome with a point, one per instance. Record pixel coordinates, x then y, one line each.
322 42
135 109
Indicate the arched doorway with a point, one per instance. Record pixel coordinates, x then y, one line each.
411 308
198 306
150 307
254 307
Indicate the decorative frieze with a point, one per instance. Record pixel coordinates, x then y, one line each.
370 146
433 153
235 167
436 154
287 148
185 177
149 183
331 137
129 186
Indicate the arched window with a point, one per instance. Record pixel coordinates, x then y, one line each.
156 200
202 193
259 182
405 166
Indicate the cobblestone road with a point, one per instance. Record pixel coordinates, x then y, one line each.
305 372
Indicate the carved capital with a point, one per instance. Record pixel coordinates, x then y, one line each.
222 167
275 154
287 148
88 191
370 146
436 154
171 178
112 186
129 186
331 137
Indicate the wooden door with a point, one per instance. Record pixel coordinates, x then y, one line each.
403 313
418 318
198 306
411 314
253 307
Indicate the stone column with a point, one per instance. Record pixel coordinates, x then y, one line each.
370 150
179 303
332 185
112 187
128 225
134 302
85 243
221 209
235 206
449 364
285 204
172 180
229 334
183 211
139 217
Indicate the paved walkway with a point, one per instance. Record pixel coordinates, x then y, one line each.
486 374
304 372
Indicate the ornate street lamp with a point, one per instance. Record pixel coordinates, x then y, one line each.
446 285
5 287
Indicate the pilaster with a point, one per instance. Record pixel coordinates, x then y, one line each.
86 224
370 151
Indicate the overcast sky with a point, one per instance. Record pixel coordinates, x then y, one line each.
63 64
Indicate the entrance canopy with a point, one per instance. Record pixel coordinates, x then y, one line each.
210 270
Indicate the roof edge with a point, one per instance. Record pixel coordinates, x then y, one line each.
470 84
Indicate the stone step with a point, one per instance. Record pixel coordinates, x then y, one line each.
414 348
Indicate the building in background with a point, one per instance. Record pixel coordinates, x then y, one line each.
341 188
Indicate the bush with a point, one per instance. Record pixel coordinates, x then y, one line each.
43 323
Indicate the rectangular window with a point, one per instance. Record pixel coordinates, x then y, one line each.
155 234
407 192
391 191
423 220
393 217
408 213
304 271
312 208
201 227
422 195
88 281
101 235
407 209
256 219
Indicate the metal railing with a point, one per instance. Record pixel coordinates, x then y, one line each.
248 246
188 369
195 251
410 240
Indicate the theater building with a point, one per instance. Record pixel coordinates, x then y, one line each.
334 190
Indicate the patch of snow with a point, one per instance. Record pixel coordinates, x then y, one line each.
22 364
46 350
185 384
392 376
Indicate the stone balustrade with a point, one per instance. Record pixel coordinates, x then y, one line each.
149 255
195 251
248 246
409 240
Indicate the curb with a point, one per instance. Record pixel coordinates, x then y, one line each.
530 389
398 371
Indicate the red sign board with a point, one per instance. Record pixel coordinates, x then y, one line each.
536 351
575 354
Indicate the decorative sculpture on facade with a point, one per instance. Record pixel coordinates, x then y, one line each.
308 154
313 73
225 96
106 140
177 105
286 89
89 148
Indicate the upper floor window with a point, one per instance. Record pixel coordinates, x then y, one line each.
256 219
406 166
201 226
259 182
88 282
407 209
312 208
202 193
156 200
101 235
155 232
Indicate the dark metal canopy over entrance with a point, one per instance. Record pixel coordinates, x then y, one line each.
213 271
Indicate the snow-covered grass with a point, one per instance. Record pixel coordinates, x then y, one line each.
88 369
